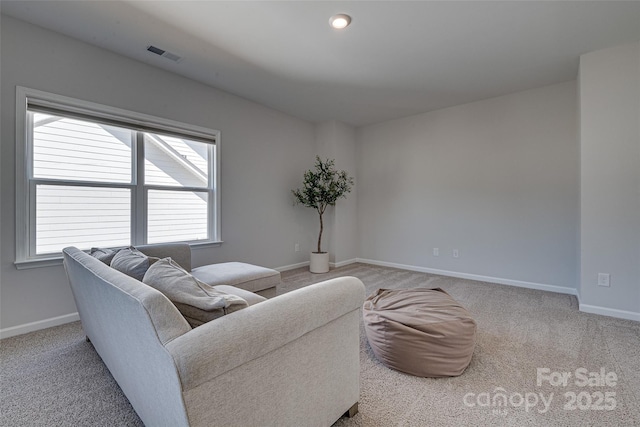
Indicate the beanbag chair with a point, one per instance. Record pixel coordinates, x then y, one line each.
422 332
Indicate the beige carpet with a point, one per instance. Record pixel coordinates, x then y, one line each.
54 377
519 330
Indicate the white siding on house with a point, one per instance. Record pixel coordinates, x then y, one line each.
176 216
170 161
84 217
70 149
75 150
193 151
175 162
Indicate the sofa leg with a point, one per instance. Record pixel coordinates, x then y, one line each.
352 411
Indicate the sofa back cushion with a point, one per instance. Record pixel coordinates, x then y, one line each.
179 252
197 301
103 254
132 262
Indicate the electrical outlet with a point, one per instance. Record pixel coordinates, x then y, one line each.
604 280
455 253
296 247
436 252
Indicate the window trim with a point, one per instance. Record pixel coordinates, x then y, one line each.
25 195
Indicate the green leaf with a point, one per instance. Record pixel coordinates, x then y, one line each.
323 187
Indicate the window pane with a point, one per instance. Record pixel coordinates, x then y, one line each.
78 150
84 217
175 162
176 216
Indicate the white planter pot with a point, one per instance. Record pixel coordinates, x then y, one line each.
319 262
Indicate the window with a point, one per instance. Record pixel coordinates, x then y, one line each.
90 175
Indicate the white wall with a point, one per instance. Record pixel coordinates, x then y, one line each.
263 155
337 140
610 179
496 179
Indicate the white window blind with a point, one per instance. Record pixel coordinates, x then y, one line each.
95 178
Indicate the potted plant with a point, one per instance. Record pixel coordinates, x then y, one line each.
321 188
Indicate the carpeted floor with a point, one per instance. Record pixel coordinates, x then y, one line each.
55 378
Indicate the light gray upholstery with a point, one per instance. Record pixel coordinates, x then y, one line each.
249 297
198 302
289 361
131 262
103 254
239 274
129 324
179 252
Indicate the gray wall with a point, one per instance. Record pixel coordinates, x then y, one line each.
610 178
337 140
496 179
264 153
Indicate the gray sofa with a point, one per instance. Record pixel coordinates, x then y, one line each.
291 360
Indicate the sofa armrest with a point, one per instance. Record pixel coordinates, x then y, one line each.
233 340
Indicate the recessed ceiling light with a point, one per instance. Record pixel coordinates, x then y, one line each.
340 21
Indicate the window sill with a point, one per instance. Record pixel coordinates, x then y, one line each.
57 259
200 245
37 263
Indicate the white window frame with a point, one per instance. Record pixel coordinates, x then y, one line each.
25 190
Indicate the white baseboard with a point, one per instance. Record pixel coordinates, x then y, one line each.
343 263
306 263
36 326
611 312
592 309
292 266
499 280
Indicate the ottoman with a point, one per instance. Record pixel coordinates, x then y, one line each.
422 332
253 278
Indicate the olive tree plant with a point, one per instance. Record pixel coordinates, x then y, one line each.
321 188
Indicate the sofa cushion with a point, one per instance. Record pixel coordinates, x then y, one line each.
103 254
179 252
132 262
245 276
250 297
197 301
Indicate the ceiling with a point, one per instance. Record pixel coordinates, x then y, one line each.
396 58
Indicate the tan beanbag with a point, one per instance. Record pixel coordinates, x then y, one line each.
422 332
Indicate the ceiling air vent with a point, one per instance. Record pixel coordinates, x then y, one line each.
172 56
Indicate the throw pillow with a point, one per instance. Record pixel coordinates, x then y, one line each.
198 302
132 262
103 254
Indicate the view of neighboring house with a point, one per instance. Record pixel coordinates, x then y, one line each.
66 150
